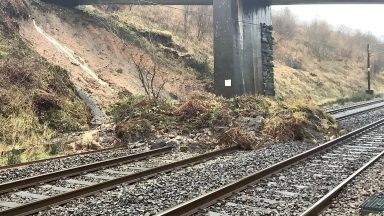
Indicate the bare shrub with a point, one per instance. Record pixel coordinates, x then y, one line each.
192 109
284 23
236 136
319 37
203 21
152 77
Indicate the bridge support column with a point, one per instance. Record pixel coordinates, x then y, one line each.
243 48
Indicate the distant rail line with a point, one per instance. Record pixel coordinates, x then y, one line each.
349 111
62 157
342 109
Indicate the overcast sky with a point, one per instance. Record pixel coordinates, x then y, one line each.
362 17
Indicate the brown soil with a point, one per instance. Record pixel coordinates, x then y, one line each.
106 54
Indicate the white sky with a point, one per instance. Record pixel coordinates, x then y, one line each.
363 17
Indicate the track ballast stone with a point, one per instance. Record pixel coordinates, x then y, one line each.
164 191
358 191
294 189
360 120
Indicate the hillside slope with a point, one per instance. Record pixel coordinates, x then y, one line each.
37 99
312 60
109 59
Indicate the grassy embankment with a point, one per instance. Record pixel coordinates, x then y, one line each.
228 119
37 100
313 61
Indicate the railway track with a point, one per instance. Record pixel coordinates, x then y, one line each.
292 186
342 109
87 180
32 196
62 157
346 112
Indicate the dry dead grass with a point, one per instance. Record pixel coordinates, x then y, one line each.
37 99
192 108
237 136
275 120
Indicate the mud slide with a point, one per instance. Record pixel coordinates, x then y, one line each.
99 116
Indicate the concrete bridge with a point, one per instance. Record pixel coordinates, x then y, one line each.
243 51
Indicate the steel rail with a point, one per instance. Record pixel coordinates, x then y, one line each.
27 182
334 111
39 205
359 112
320 205
192 206
61 157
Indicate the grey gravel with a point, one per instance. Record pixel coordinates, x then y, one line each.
360 189
293 190
87 179
64 163
357 110
360 120
166 190
347 104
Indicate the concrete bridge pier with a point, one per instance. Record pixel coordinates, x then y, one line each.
243 48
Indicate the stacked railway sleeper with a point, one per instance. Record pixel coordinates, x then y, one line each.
292 186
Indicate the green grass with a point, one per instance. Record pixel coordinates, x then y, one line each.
37 101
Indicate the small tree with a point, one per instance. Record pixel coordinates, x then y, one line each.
151 76
284 23
204 21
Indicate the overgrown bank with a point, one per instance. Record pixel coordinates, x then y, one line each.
250 121
37 99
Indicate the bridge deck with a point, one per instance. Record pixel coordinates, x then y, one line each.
210 2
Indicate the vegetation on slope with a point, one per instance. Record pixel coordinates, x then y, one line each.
245 120
37 100
313 60
167 45
318 62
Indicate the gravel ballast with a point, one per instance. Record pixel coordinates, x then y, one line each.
166 190
62 163
359 190
360 120
293 190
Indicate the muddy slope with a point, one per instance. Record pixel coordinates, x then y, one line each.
110 69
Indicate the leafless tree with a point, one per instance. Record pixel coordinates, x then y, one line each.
187 19
204 21
151 76
285 23
319 37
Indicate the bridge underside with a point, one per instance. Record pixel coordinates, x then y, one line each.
210 2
